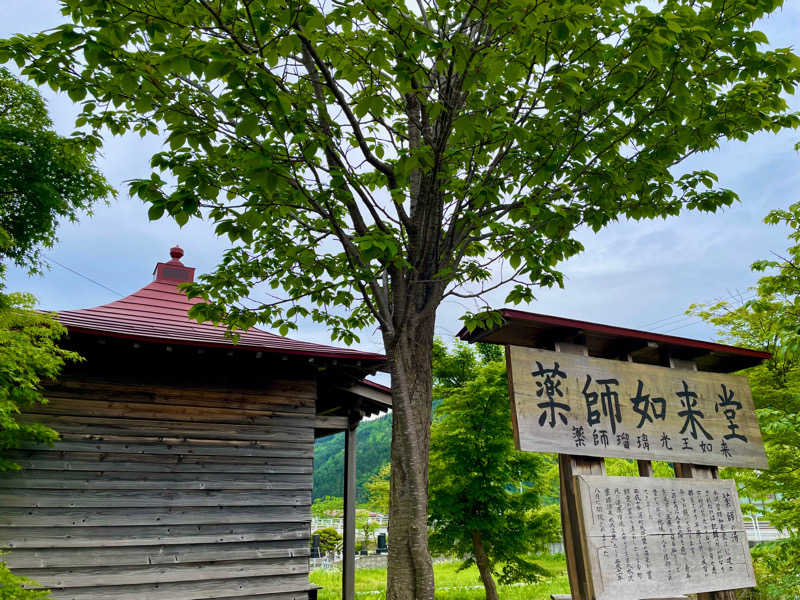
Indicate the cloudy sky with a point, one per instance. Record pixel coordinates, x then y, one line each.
641 275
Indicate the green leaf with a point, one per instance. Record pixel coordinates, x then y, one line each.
247 126
155 212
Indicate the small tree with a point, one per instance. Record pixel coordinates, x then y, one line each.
366 527
329 539
484 494
43 177
771 322
378 489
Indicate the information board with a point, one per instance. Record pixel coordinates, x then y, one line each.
574 404
647 536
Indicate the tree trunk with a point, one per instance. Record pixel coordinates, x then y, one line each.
410 352
483 566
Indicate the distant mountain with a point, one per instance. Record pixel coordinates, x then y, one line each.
373 443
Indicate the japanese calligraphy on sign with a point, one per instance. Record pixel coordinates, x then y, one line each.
646 535
574 404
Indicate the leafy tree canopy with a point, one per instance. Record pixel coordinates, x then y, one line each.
337 143
43 177
771 322
484 494
370 158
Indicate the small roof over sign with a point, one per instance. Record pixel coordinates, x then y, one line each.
522 328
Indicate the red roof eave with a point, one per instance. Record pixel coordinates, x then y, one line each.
518 315
344 354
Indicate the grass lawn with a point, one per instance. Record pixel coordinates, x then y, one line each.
451 584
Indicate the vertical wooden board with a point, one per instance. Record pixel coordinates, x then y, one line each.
650 537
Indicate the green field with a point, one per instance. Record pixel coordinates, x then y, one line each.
451 584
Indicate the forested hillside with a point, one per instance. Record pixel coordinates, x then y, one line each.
374 442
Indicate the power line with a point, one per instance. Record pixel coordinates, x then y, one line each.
71 270
683 326
681 316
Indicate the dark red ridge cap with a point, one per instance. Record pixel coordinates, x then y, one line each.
518 315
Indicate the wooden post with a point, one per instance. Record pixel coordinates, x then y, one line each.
568 467
645 468
686 470
574 549
349 525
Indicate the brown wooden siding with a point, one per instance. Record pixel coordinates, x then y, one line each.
165 493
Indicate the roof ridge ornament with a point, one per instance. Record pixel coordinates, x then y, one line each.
173 271
176 252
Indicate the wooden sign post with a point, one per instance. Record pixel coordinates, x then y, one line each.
585 409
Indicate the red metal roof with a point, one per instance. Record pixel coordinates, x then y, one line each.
158 313
377 386
531 329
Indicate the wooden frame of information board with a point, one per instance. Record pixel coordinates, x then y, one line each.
574 465
645 532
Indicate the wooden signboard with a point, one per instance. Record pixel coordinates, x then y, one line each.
580 405
647 537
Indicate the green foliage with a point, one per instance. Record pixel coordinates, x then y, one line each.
770 322
34 195
479 484
377 487
11 586
328 507
324 138
776 569
366 527
627 468
368 158
452 582
329 539
373 448
28 354
43 177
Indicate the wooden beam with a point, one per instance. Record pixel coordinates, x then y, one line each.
368 392
349 525
331 422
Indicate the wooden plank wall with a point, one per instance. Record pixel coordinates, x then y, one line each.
165 493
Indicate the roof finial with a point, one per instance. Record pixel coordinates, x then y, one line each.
176 252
